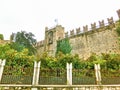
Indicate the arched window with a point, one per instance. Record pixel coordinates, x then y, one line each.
50 37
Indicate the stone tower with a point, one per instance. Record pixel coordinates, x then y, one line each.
51 36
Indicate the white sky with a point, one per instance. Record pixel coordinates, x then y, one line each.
34 15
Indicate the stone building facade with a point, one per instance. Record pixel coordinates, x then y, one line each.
98 39
50 42
4 41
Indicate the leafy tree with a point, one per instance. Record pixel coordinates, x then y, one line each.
64 46
112 61
19 58
78 63
3 49
16 59
69 58
95 59
13 56
24 40
16 46
1 37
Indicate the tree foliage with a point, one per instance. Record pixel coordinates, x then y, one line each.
107 61
15 58
64 46
24 40
112 61
3 49
1 37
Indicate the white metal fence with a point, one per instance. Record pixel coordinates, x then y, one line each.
67 81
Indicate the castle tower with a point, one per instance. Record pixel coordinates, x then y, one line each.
51 37
118 12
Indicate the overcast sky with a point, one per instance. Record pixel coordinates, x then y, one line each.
34 15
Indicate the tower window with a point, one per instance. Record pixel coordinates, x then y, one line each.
50 37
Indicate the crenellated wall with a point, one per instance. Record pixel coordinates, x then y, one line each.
97 39
104 40
40 47
93 27
40 43
101 38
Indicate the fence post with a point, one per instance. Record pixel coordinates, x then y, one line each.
97 73
69 73
35 65
2 64
36 74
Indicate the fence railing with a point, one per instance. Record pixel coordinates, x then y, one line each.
58 77
52 77
15 75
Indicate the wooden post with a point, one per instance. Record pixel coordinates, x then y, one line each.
69 74
97 73
36 74
2 64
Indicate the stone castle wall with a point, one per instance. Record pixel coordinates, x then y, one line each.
102 40
99 39
4 41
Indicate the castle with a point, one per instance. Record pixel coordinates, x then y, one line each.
98 39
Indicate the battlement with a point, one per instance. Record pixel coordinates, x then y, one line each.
53 28
94 26
40 43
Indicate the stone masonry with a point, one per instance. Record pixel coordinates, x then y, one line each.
99 39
